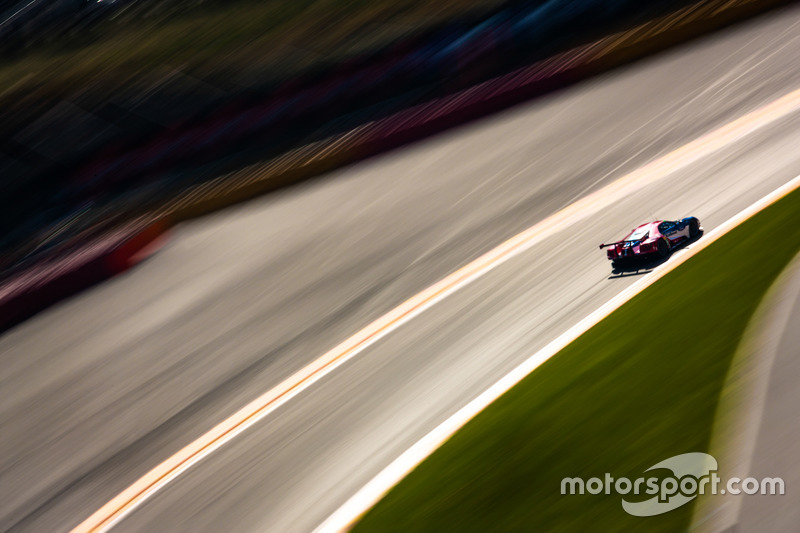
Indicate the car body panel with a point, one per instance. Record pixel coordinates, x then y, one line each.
646 240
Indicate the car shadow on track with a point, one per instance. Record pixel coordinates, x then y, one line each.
640 267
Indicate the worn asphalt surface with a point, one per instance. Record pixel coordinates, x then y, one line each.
97 390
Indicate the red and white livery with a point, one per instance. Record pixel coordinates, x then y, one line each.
653 240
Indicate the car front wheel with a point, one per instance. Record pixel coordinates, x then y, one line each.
694 228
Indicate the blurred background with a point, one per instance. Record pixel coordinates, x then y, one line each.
284 173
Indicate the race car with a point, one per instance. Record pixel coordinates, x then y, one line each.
653 240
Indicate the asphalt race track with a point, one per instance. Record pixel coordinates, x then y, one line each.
98 390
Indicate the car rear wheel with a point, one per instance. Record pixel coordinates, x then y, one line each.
694 228
663 248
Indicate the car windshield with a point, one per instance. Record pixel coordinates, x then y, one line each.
666 225
638 234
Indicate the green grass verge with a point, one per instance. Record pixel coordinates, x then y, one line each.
640 387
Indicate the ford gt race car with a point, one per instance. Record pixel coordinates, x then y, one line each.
653 240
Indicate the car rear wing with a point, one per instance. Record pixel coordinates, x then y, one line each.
611 244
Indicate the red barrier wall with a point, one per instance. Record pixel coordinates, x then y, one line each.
53 279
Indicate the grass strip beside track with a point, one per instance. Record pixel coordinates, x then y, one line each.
640 387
